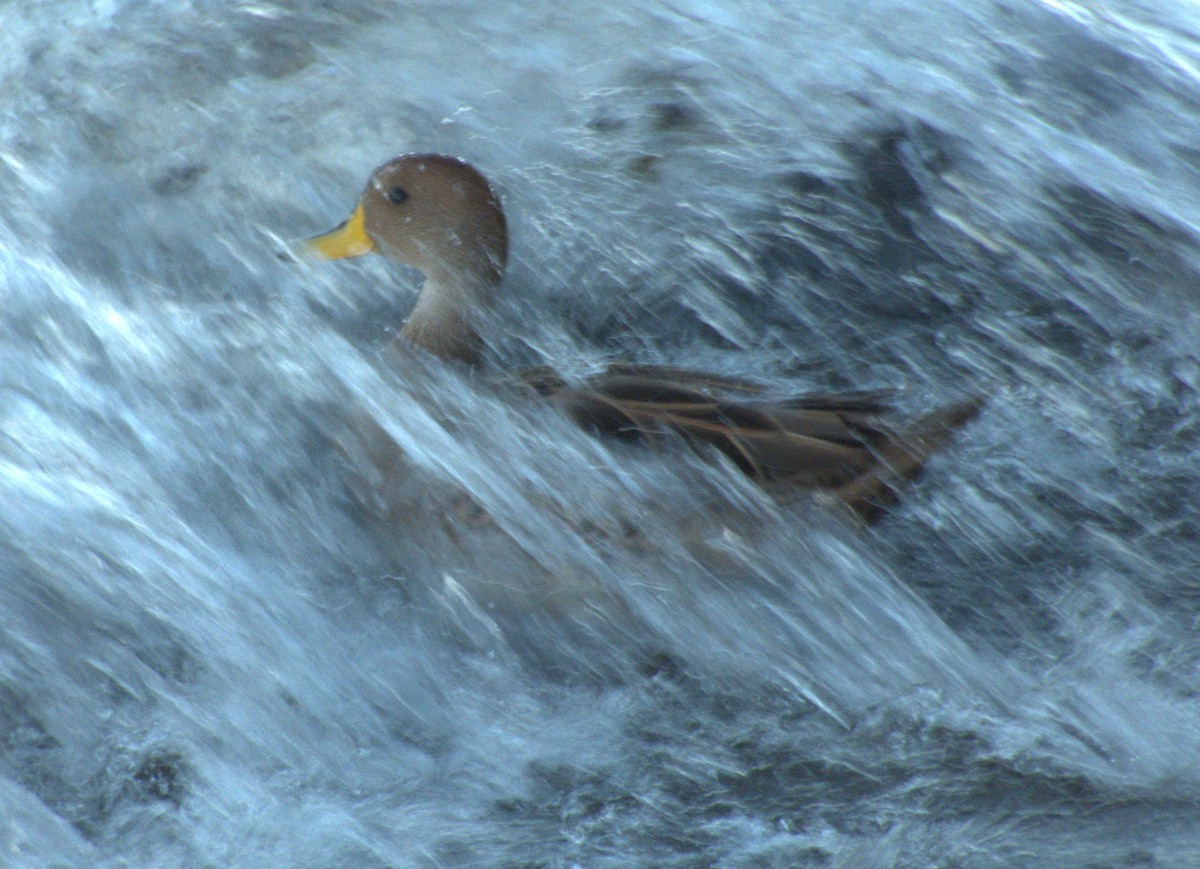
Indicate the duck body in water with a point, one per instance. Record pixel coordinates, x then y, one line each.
440 215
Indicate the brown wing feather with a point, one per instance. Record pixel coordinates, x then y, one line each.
820 440
901 457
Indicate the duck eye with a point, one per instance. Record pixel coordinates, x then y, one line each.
397 195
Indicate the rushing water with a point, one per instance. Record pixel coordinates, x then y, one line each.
274 593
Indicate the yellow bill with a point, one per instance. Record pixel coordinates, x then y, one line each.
347 239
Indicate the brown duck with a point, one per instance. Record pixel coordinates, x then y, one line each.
440 215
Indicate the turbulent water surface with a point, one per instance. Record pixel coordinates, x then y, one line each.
275 592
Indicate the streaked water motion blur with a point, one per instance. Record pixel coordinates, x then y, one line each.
228 639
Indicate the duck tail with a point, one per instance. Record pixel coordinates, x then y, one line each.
901 456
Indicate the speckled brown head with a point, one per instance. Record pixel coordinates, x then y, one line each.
439 215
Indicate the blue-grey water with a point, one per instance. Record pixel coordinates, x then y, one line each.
275 593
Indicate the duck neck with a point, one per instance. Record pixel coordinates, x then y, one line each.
447 311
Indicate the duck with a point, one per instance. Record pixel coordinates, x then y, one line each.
440 215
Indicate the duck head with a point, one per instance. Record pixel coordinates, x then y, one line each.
439 215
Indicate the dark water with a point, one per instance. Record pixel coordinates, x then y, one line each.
226 641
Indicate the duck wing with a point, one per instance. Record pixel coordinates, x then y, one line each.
819 440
